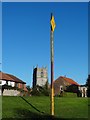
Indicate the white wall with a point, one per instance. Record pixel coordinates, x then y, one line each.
11 92
9 83
3 82
81 89
41 81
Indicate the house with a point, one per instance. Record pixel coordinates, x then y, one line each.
40 76
83 90
11 85
64 83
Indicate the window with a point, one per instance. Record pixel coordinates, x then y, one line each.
22 86
0 82
61 87
16 84
6 82
41 74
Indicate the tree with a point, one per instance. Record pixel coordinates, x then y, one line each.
40 91
28 87
88 85
35 91
46 85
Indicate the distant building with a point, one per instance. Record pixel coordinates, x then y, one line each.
40 76
64 83
11 85
88 85
83 90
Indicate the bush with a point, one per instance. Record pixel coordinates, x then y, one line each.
72 88
35 91
40 91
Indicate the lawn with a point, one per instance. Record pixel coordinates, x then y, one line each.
39 107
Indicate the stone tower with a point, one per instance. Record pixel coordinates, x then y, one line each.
40 76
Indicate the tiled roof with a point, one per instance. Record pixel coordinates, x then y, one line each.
69 80
9 77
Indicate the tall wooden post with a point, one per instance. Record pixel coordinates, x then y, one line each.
52 64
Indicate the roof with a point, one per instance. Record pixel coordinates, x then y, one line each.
69 80
9 77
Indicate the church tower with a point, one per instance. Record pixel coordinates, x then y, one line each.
40 76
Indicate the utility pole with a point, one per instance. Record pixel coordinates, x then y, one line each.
52 64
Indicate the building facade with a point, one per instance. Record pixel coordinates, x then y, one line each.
10 85
40 76
62 83
83 90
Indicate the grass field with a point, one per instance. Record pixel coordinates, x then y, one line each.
39 107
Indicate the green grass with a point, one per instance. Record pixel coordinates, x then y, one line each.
32 107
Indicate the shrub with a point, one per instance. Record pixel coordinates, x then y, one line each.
40 91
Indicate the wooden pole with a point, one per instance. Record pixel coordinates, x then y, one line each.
52 72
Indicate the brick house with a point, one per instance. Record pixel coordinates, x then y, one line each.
12 82
63 82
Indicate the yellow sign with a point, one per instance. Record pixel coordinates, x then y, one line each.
53 25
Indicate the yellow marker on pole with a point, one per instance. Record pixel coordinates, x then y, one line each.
53 25
52 65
